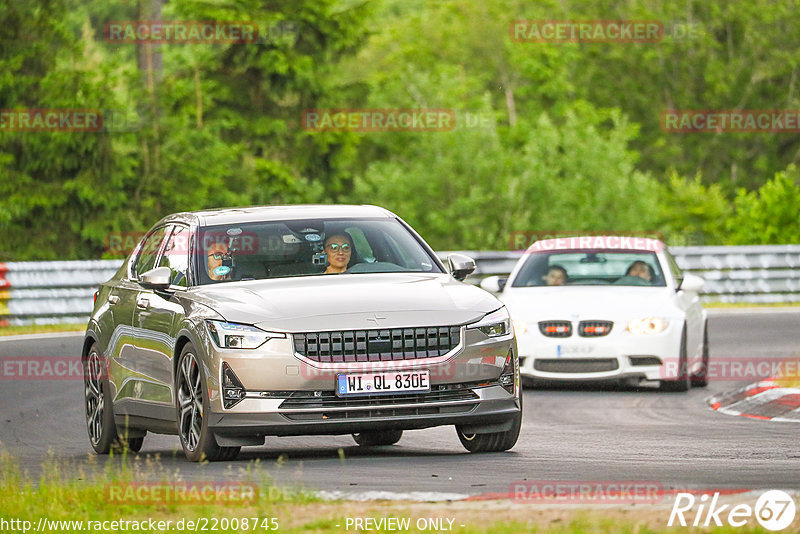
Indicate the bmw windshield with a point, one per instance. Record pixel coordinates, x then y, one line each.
277 249
591 267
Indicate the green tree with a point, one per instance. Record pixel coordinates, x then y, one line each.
769 215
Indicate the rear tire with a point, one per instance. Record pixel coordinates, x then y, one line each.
683 382
104 435
97 402
192 404
374 438
700 380
495 441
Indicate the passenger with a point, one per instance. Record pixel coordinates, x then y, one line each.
339 247
216 254
640 269
556 276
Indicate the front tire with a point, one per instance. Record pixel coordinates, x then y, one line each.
700 379
192 404
495 441
375 438
683 382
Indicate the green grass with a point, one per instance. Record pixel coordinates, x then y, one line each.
77 491
41 329
749 304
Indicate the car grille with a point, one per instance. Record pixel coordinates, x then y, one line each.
377 345
555 328
322 408
594 328
576 365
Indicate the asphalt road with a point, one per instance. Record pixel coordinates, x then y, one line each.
568 434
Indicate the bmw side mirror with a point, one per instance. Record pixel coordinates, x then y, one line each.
158 278
691 283
494 284
460 266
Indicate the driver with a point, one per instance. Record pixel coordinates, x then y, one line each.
640 269
216 252
556 276
339 247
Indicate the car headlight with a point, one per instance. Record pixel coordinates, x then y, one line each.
647 325
494 324
520 327
239 336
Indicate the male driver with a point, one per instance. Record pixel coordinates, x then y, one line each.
216 253
556 276
640 269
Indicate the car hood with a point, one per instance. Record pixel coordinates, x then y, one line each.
348 301
589 302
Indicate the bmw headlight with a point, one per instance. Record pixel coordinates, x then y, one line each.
239 336
494 324
520 327
647 325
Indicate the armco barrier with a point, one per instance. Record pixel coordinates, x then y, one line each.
47 292
61 291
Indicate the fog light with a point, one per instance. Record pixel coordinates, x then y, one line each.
509 376
232 389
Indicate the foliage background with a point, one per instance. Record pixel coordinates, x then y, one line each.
569 135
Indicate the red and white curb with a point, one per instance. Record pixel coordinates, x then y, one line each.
766 400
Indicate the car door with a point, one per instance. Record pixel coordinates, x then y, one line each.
129 371
154 317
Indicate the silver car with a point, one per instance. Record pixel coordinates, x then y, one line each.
227 326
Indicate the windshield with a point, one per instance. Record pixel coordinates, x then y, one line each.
277 249
591 267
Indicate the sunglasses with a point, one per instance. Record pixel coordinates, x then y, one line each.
336 246
217 255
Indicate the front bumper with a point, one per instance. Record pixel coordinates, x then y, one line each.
487 409
618 355
286 394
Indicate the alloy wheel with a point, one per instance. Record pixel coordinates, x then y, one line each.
190 401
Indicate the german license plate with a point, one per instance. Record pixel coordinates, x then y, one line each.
384 382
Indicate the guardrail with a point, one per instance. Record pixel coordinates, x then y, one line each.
61 291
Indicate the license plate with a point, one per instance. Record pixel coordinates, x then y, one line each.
376 383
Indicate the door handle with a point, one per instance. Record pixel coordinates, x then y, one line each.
113 299
142 303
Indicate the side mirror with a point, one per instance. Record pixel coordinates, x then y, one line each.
494 284
158 278
460 266
691 283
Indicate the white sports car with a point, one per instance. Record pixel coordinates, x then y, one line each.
606 308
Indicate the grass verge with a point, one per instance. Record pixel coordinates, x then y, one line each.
79 492
41 329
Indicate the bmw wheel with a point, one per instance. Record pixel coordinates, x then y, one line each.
700 379
192 404
683 382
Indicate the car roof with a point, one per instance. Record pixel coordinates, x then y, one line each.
247 214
